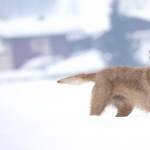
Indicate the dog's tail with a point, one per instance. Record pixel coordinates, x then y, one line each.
78 79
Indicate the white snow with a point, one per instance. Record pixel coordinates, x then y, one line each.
91 16
86 61
17 75
142 54
41 61
22 27
135 8
44 115
48 67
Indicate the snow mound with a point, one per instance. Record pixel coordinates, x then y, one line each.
89 61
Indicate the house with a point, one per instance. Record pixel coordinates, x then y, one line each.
25 48
22 40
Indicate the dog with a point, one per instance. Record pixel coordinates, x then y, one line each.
121 86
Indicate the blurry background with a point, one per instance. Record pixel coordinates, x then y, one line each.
44 40
52 38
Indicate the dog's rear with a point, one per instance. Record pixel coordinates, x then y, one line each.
78 79
122 87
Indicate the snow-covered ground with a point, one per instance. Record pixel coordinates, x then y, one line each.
44 115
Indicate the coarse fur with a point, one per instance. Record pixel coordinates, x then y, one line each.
120 86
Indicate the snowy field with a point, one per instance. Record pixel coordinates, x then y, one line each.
41 114
44 115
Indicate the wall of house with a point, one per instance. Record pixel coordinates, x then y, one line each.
30 47
60 45
41 45
6 57
26 48
80 44
22 52
6 62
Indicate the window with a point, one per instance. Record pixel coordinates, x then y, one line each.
41 45
3 47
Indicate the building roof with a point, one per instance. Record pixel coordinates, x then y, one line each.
26 27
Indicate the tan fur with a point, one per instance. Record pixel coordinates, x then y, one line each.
78 79
123 87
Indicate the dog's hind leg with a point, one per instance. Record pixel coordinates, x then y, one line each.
123 106
100 98
124 111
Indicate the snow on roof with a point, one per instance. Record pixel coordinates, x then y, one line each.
90 18
93 16
89 61
49 26
135 8
34 27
